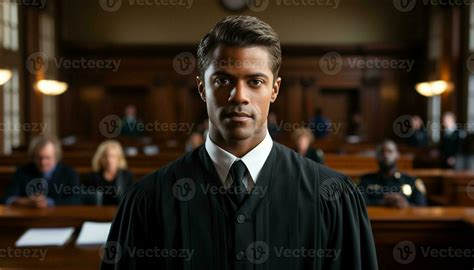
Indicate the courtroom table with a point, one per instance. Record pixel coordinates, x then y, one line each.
435 228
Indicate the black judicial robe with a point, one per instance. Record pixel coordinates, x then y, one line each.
299 215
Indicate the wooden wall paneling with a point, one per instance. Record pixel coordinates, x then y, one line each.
91 112
33 99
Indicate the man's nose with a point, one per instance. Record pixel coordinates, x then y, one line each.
239 94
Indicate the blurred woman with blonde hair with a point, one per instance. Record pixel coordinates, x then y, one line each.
110 176
303 139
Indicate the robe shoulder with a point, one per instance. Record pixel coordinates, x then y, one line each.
320 175
152 184
344 226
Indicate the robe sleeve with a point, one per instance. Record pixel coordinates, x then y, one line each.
131 236
346 226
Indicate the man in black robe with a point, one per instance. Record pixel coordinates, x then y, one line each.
241 201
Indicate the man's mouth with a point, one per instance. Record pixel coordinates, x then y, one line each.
238 116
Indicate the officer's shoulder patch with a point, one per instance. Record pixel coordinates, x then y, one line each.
420 185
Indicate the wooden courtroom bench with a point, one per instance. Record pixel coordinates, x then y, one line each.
83 159
360 162
444 187
432 227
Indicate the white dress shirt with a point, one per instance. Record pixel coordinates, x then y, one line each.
253 160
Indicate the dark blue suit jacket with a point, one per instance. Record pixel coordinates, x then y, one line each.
63 188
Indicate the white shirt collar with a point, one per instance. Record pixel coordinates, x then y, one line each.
254 160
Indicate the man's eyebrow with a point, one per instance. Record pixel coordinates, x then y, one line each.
220 72
253 75
258 74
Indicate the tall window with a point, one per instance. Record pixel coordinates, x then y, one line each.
9 25
470 64
9 39
47 46
11 113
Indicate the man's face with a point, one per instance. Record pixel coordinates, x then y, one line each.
449 121
45 158
388 156
238 87
303 142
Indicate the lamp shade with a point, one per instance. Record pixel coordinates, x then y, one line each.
51 87
432 88
5 75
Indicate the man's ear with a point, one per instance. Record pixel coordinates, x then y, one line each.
201 88
275 89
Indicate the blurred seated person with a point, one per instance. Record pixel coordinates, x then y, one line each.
303 139
194 141
273 127
45 181
131 125
110 177
389 187
357 129
419 138
451 139
320 124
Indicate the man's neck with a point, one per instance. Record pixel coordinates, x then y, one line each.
237 148
388 171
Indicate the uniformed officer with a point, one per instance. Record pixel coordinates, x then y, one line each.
388 186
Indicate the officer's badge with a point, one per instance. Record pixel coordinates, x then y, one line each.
406 190
420 186
398 175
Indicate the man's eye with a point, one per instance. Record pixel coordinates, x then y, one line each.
256 83
222 81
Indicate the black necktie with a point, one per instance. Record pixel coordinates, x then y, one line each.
238 190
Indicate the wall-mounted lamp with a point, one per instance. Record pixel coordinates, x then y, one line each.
432 88
5 75
51 87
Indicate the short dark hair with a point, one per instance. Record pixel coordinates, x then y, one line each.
240 31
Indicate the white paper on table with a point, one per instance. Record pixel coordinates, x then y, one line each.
93 233
45 237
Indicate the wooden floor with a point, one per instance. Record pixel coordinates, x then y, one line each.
438 228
